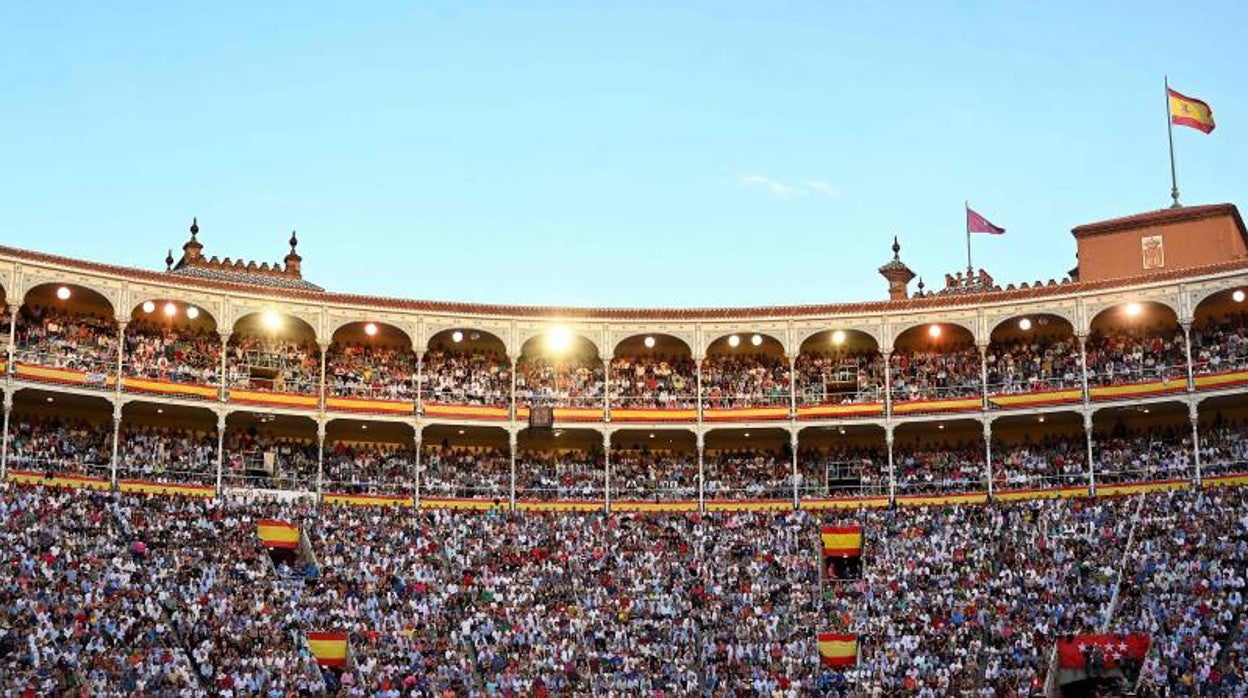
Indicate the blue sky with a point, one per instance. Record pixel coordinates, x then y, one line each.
586 154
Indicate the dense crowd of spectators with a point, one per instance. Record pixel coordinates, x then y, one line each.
77 341
559 475
840 378
1157 453
255 459
843 471
163 454
107 593
653 474
1136 356
178 354
1221 345
575 381
936 375
749 380
368 468
370 371
476 377
50 444
654 382
1033 365
748 474
929 468
482 473
278 365
1049 461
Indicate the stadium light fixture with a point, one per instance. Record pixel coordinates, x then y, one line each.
192 312
933 331
838 337
734 341
461 432
149 306
50 398
747 434
170 309
371 329
63 293
559 339
1238 295
271 319
1133 309
1024 324
649 342
457 336
1041 419
756 340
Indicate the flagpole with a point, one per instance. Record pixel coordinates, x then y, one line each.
965 215
1174 180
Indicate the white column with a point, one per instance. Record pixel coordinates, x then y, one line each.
121 352
1087 430
112 477
699 360
792 387
888 385
514 363
418 403
4 451
320 458
606 390
701 466
322 388
983 374
1083 368
988 454
1187 348
793 448
220 452
606 475
892 470
512 439
419 440
225 353
14 310
1193 413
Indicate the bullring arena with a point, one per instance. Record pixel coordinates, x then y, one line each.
921 494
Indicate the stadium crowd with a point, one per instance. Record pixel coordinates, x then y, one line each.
575 381
839 378
56 338
936 375
752 380
370 371
180 355
478 377
654 382
276 365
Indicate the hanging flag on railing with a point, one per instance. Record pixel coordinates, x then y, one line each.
277 534
330 649
838 649
844 541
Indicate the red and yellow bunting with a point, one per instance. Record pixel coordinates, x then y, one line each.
567 505
1038 399
1118 392
749 504
330 649
465 412
856 409
1235 480
648 507
149 487
1030 494
838 649
28 477
567 414
842 541
64 376
940 500
462 504
367 500
277 534
1128 488
745 414
369 405
162 387
245 396
1226 379
630 414
961 404
846 503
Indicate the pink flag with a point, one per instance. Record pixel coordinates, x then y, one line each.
976 223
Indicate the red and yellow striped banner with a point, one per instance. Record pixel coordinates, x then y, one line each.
855 409
62 375
744 414
28 477
465 412
568 414
1038 399
1117 392
369 405
648 507
462 504
560 505
330 649
845 541
163 387
632 414
838 649
846 503
1234 480
1127 488
277 534
1029 494
960 404
149 487
245 396
940 500
367 500
748 504
1225 379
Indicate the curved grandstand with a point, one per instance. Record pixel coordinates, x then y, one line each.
276 421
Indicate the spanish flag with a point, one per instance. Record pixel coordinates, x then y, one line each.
1187 111
277 534
842 541
838 649
330 649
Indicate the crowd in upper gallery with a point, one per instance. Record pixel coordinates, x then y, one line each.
466 367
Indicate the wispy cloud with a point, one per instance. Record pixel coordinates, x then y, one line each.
788 190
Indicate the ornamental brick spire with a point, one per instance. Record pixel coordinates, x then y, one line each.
898 274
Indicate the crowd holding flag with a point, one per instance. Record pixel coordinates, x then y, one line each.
277 534
329 648
838 649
